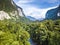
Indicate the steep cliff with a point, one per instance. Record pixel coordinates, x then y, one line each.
53 13
9 10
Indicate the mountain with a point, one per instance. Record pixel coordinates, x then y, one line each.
9 10
31 18
53 13
40 19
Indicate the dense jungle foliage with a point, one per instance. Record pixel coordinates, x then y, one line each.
11 33
17 33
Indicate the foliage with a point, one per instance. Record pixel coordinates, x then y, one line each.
11 33
45 33
6 5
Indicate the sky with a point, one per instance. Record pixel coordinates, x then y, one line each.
37 8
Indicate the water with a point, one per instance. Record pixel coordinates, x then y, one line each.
31 42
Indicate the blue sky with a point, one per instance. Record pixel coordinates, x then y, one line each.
37 8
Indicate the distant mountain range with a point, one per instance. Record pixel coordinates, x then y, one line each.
34 19
31 18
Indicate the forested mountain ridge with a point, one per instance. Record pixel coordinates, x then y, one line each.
9 10
53 13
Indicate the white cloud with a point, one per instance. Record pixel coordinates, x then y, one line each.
53 1
50 1
36 12
24 1
33 11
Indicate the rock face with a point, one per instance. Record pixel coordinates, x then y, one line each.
9 10
4 15
53 13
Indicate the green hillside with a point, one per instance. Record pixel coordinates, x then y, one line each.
6 5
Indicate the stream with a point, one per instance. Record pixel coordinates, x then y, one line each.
31 42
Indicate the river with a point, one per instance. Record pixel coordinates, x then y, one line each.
32 42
